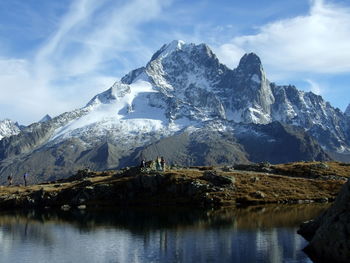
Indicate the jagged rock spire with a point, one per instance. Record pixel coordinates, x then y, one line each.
250 63
347 111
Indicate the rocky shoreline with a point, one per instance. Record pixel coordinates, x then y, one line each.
195 186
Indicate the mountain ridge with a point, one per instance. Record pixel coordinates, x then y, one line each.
183 89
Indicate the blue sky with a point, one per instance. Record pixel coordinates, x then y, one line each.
56 55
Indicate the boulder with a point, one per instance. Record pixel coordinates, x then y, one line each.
258 194
329 234
218 179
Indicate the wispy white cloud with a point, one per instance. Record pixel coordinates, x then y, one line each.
317 42
315 87
21 94
89 35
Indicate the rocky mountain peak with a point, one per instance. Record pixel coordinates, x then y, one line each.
177 65
253 96
46 118
250 64
167 49
347 111
178 50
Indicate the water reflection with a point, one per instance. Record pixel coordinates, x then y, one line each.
254 234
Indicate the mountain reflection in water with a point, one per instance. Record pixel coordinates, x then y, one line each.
253 234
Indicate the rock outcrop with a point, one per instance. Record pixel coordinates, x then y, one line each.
329 234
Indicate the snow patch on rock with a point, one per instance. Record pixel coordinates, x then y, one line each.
8 128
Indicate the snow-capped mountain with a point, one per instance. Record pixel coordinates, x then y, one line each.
186 105
187 78
8 128
196 86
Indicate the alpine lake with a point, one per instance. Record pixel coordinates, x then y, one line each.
155 234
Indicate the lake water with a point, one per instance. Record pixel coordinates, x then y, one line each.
254 234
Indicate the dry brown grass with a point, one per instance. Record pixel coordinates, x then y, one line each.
250 187
296 182
305 169
283 188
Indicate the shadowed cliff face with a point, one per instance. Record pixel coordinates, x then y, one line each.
245 143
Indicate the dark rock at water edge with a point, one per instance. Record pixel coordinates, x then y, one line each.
329 234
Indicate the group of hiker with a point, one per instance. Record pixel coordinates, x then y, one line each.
158 164
25 179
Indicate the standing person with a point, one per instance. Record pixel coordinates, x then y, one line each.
25 178
162 163
143 163
158 164
9 179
